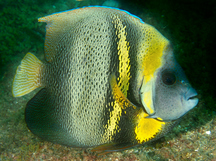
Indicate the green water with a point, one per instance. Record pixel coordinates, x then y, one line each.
188 24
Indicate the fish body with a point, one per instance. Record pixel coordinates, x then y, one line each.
109 81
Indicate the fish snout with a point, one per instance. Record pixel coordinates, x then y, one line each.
190 98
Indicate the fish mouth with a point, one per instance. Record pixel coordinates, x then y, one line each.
191 98
191 94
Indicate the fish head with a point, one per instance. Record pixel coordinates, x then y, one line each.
171 94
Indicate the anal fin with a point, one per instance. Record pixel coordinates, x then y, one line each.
43 120
111 147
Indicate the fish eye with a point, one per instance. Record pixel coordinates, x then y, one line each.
168 78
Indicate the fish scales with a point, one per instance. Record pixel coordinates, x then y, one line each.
95 60
99 80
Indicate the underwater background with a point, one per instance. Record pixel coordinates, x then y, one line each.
188 24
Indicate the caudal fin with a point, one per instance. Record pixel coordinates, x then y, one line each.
27 76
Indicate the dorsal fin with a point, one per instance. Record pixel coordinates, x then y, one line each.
60 24
58 27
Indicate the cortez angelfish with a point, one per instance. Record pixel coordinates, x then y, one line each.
109 81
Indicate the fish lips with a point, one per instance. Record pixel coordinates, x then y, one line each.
190 98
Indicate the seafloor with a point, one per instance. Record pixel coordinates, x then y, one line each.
189 24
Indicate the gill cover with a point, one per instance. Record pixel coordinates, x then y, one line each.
151 62
167 94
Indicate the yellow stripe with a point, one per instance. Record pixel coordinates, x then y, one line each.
154 44
153 47
147 128
124 77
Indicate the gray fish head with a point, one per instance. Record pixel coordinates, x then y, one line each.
172 94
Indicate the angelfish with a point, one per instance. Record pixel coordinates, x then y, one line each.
109 81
